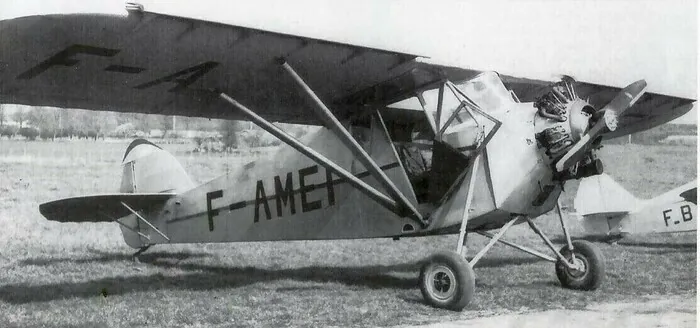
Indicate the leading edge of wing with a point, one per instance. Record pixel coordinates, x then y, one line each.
30 8
99 208
220 23
98 9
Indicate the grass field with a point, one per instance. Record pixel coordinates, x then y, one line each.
54 274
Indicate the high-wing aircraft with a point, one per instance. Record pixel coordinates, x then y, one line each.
491 151
606 209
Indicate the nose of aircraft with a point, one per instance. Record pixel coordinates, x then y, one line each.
608 122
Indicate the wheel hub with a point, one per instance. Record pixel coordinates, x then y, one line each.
442 283
579 265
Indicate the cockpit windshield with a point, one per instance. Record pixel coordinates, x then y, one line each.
456 124
487 91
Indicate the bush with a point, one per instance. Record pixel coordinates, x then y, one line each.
8 131
46 134
29 133
258 138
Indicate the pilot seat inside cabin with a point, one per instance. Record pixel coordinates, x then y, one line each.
434 160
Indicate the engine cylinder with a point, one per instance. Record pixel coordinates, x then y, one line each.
561 120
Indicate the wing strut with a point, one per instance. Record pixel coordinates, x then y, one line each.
346 138
354 181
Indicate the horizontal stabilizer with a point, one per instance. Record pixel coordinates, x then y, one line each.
600 194
100 208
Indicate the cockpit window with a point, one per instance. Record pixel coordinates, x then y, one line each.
487 91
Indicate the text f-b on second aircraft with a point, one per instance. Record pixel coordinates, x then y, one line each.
482 152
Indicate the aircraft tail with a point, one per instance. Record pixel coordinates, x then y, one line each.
148 172
601 203
148 168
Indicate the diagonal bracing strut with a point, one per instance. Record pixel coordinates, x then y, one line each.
145 221
342 133
493 241
519 247
362 186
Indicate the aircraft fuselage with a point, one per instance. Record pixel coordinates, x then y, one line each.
290 196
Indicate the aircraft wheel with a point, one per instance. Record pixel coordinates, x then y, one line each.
590 267
447 281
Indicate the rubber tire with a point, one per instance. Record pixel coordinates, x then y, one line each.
463 274
595 267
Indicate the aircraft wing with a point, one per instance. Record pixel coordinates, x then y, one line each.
159 64
99 208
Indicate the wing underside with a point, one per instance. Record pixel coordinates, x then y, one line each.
160 64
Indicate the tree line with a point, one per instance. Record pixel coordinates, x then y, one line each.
51 123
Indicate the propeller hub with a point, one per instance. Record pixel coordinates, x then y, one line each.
579 118
610 119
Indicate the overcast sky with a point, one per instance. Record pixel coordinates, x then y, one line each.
611 42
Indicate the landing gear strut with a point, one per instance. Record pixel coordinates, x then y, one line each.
579 264
447 279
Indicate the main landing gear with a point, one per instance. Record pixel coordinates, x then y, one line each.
589 267
447 279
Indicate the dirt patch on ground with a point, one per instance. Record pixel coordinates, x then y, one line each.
672 311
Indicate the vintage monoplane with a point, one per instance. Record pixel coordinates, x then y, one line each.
485 151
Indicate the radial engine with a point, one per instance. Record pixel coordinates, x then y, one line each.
562 119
